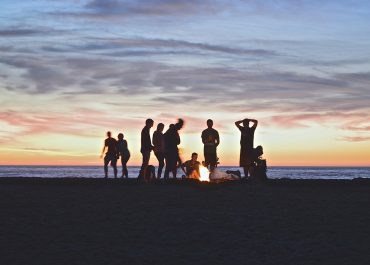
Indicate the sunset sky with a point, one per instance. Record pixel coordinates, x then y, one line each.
71 70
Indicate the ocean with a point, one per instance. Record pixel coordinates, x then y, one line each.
98 172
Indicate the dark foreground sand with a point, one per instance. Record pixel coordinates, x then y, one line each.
71 221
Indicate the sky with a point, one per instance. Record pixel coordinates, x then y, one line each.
71 70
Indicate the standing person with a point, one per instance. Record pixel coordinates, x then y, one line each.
159 149
111 156
123 151
211 140
146 147
246 144
172 140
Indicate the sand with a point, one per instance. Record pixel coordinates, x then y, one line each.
76 221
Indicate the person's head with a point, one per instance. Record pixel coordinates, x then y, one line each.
149 123
194 156
109 134
210 123
179 124
120 136
246 123
160 127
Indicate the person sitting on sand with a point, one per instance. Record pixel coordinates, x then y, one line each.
191 167
124 153
111 156
246 144
150 173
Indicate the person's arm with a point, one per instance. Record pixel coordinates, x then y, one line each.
203 138
117 150
255 123
125 145
150 141
178 140
183 168
237 124
103 150
217 138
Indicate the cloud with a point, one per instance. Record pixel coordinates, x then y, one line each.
228 88
178 44
302 120
84 122
142 47
355 138
114 8
108 10
19 32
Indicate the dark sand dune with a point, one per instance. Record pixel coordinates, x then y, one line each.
79 221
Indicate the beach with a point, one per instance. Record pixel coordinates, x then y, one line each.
100 221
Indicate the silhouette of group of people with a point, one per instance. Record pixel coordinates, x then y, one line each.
165 149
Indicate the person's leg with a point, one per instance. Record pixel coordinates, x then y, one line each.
212 158
251 171
144 164
146 158
246 170
124 166
170 161
113 163
106 162
175 162
122 163
206 159
160 158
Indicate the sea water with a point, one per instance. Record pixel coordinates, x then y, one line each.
98 172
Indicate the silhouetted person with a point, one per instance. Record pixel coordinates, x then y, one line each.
246 144
111 155
150 173
191 167
123 151
146 147
159 149
171 141
211 140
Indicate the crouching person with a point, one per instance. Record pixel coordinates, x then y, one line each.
259 165
191 167
150 173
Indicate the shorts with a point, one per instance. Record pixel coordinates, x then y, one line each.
112 158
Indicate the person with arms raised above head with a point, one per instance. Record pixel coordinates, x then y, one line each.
123 151
111 156
211 140
146 147
246 144
159 149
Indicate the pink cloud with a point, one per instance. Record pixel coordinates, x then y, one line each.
356 138
303 120
80 122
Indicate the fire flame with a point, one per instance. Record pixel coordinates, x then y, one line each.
204 174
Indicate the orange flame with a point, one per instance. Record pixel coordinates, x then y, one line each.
204 174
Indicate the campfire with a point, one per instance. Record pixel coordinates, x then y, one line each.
204 174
